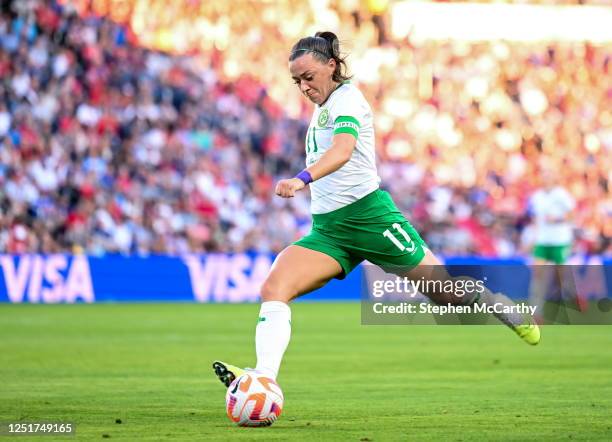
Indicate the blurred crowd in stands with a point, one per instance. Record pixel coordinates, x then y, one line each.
106 146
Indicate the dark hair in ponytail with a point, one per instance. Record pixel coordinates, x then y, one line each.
323 46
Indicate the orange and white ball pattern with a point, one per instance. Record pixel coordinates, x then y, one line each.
253 400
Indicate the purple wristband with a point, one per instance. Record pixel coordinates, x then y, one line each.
305 176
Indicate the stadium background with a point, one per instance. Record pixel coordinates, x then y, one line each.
127 131
139 145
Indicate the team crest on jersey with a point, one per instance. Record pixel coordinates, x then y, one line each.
323 117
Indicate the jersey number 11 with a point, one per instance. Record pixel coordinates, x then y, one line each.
409 248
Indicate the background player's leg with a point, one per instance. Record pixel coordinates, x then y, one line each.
296 271
541 280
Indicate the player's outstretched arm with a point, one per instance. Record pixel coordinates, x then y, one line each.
336 156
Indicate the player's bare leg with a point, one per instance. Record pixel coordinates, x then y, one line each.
430 267
296 271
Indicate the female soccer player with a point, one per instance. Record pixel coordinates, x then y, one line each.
353 219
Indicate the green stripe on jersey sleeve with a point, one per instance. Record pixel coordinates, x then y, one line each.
347 125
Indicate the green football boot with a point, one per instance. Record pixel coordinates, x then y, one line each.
530 333
227 372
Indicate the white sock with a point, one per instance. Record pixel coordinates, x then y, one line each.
488 298
272 336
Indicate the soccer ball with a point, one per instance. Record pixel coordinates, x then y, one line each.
253 400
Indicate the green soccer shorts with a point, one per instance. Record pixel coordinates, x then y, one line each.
556 254
371 228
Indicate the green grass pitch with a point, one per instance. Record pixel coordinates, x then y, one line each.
147 366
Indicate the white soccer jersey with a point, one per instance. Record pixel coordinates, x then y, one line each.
548 205
345 111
